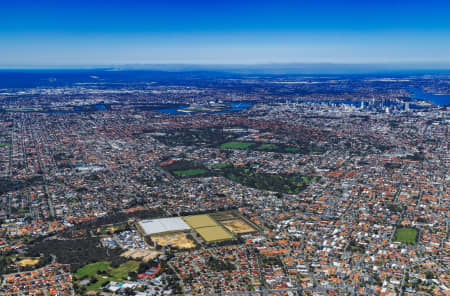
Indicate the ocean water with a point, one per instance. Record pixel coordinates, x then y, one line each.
441 100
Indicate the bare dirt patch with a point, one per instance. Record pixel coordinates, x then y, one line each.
139 254
179 240
237 226
28 262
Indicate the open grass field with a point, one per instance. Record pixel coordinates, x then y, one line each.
237 226
268 147
91 269
406 235
113 274
178 240
291 149
236 145
28 261
190 173
185 168
213 233
4 144
220 165
198 221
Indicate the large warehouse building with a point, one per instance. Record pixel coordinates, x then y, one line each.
162 225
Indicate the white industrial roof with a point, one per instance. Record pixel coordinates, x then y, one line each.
163 225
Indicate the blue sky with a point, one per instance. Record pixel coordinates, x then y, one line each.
82 33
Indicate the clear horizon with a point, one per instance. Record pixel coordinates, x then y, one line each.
300 68
107 33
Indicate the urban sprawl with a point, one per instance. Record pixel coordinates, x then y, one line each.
234 185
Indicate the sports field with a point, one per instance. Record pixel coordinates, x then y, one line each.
406 235
208 228
213 233
236 145
198 221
